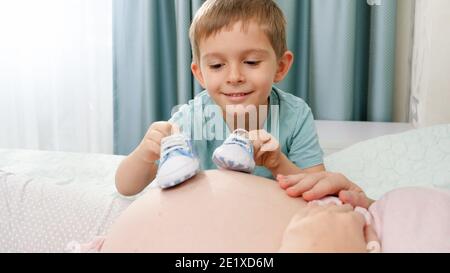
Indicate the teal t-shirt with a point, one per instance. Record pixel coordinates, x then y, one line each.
290 120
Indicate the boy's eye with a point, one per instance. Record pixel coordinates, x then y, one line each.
215 66
252 63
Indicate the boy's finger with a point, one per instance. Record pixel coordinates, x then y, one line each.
306 184
152 149
270 145
259 153
253 135
259 135
321 189
287 181
175 129
155 136
265 136
257 144
329 186
155 148
264 149
292 177
299 188
356 199
165 128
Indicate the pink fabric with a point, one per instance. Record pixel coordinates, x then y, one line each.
413 220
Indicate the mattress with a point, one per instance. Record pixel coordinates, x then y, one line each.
48 199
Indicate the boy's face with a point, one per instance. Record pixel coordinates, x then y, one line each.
239 68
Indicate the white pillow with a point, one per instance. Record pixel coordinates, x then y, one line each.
420 157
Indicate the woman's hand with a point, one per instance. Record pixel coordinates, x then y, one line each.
327 228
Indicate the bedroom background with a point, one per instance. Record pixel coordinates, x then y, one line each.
91 76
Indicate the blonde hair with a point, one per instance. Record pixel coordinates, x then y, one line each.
214 15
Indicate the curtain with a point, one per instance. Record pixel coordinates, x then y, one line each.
56 75
345 57
152 58
344 60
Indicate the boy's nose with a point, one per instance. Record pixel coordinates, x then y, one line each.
235 76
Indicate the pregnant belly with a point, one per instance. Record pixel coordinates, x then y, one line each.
216 211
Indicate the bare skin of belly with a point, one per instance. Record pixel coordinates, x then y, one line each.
216 211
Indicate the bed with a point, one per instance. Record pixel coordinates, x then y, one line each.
48 199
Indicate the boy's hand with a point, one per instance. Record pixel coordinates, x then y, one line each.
150 146
318 185
266 148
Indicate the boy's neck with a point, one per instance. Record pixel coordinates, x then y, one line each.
234 122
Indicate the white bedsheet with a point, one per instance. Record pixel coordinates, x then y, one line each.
48 199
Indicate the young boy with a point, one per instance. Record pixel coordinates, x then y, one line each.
239 52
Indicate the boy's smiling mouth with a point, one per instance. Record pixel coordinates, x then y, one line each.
237 96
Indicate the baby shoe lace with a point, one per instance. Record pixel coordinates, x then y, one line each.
240 137
173 143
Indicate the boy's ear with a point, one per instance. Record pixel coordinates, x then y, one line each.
284 64
197 72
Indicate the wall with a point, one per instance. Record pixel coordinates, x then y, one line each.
430 90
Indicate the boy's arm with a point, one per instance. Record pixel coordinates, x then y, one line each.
134 174
139 168
267 153
304 148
